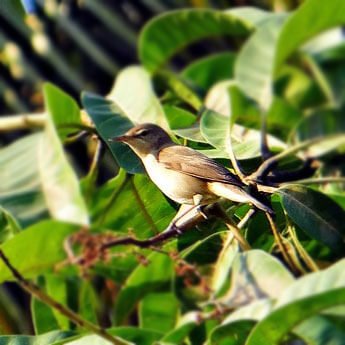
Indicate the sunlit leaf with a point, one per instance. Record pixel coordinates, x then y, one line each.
59 182
169 32
133 93
44 254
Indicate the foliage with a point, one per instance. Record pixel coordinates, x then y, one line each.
280 76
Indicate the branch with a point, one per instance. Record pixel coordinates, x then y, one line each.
35 291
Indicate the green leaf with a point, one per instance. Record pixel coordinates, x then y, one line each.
276 39
178 117
12 8
245 142
253 71
146 211
322 123
59 182
9 227
184 326
163 36
315 213
63 109
20 189
133 335
133 93
44 254
158 311
143 280
306 297
208 71
44 339
111 122
256 275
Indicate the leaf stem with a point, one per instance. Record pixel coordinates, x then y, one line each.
36 292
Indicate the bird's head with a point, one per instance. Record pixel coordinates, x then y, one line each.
145 138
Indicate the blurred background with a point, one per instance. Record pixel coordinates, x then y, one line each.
82 44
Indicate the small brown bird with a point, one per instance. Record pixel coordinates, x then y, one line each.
183 174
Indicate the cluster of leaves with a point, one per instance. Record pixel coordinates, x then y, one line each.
166 295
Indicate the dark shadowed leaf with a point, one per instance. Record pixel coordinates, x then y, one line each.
315 213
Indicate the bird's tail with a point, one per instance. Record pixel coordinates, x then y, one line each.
238 194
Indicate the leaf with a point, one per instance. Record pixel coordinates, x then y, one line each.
133 335
63 109
306 297
276 40
44 254
59 183
9 227
322 124
44 339
245 142
158 311
146 211
184 326
316 214
163 36
143 280
206 72
256 275
110 122
253 72
133 93
20 189
178 117
12 8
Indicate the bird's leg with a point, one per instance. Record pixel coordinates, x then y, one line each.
197 198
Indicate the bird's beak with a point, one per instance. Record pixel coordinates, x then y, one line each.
120 139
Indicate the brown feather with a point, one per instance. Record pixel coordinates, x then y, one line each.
194 163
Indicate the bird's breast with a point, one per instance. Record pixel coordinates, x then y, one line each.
174 184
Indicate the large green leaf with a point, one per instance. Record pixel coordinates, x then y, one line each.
44 242
58 180
207 71
110 122
20 189
277 39
244 142
253 71
163 36
256 275
44 339
145 210
315 213
306 297
63 109
144 279
133 93
133 335
159 311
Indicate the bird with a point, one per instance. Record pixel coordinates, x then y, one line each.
183 174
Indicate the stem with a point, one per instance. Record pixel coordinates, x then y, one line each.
35 291
319 180
280 242
24 121
267 165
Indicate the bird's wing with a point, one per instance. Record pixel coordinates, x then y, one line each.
194 163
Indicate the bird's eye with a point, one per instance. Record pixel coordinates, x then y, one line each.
143 133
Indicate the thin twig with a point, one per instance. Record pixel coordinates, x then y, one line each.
36 292
280 242
270 163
